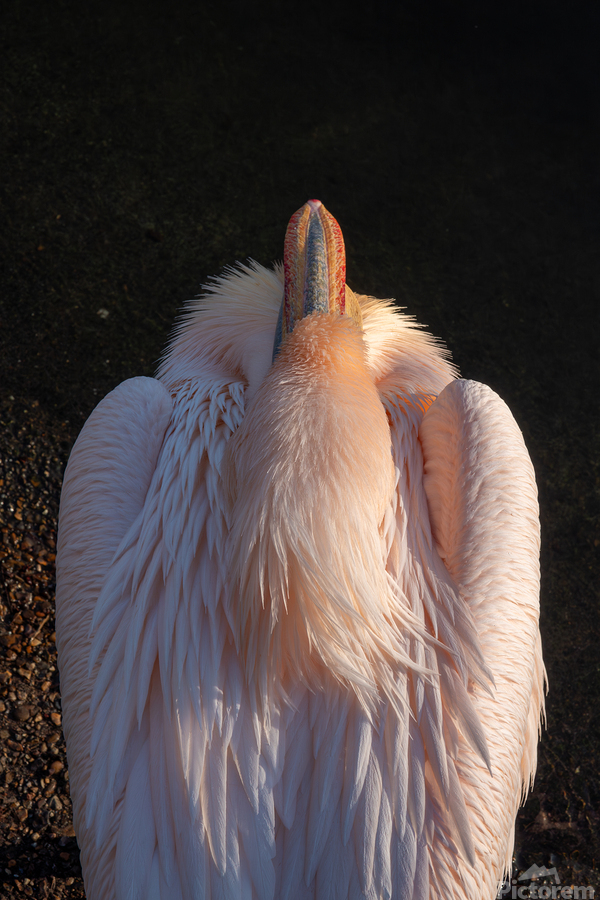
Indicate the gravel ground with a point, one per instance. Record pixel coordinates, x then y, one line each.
38 854
144 145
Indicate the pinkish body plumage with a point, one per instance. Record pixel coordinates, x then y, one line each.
284 595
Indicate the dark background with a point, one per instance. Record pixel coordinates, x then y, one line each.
145 145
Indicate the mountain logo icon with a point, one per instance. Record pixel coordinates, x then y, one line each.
536 872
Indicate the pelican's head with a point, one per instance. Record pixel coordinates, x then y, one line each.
314 260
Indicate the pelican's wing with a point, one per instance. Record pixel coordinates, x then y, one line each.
482 501
154 718
432 845
105 486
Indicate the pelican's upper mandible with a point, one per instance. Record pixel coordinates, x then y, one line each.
314 259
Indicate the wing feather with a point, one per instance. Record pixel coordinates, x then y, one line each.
294 847
137 835
382 868
246 752
367 821
333 873
160 794
396 737
257 832
298 756
482 502
358 749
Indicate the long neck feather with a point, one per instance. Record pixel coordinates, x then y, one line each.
310 478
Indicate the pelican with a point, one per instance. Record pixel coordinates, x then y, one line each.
297 605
